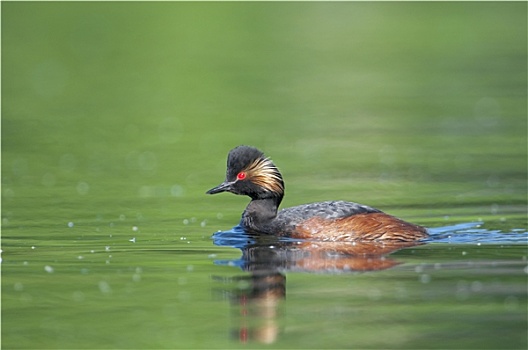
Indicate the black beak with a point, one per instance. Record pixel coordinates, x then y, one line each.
224 186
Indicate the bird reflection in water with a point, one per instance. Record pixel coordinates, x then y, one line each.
256 297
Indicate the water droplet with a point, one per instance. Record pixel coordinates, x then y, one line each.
49 78
494 209
476 286
83 188
67 162
425 278
511 303
48 180
20 167
176 191
148 162
170 130
184 296
78 296
104 287
487 112
375 294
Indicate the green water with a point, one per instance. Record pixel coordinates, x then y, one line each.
117 117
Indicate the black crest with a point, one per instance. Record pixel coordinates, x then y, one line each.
239 158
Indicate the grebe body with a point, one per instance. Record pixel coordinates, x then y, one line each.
250 172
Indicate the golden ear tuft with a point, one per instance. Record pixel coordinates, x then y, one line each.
264 173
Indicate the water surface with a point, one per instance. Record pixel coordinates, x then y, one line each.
117 117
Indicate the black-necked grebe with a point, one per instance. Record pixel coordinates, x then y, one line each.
251 173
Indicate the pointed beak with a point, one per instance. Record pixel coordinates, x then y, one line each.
224 186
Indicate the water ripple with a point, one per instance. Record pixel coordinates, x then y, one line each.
463 233
472 232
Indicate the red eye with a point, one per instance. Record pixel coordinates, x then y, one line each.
241 175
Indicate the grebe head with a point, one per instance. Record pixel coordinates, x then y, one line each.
251 173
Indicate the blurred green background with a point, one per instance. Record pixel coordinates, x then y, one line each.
120 114
120 96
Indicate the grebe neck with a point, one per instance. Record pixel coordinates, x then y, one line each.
260 212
